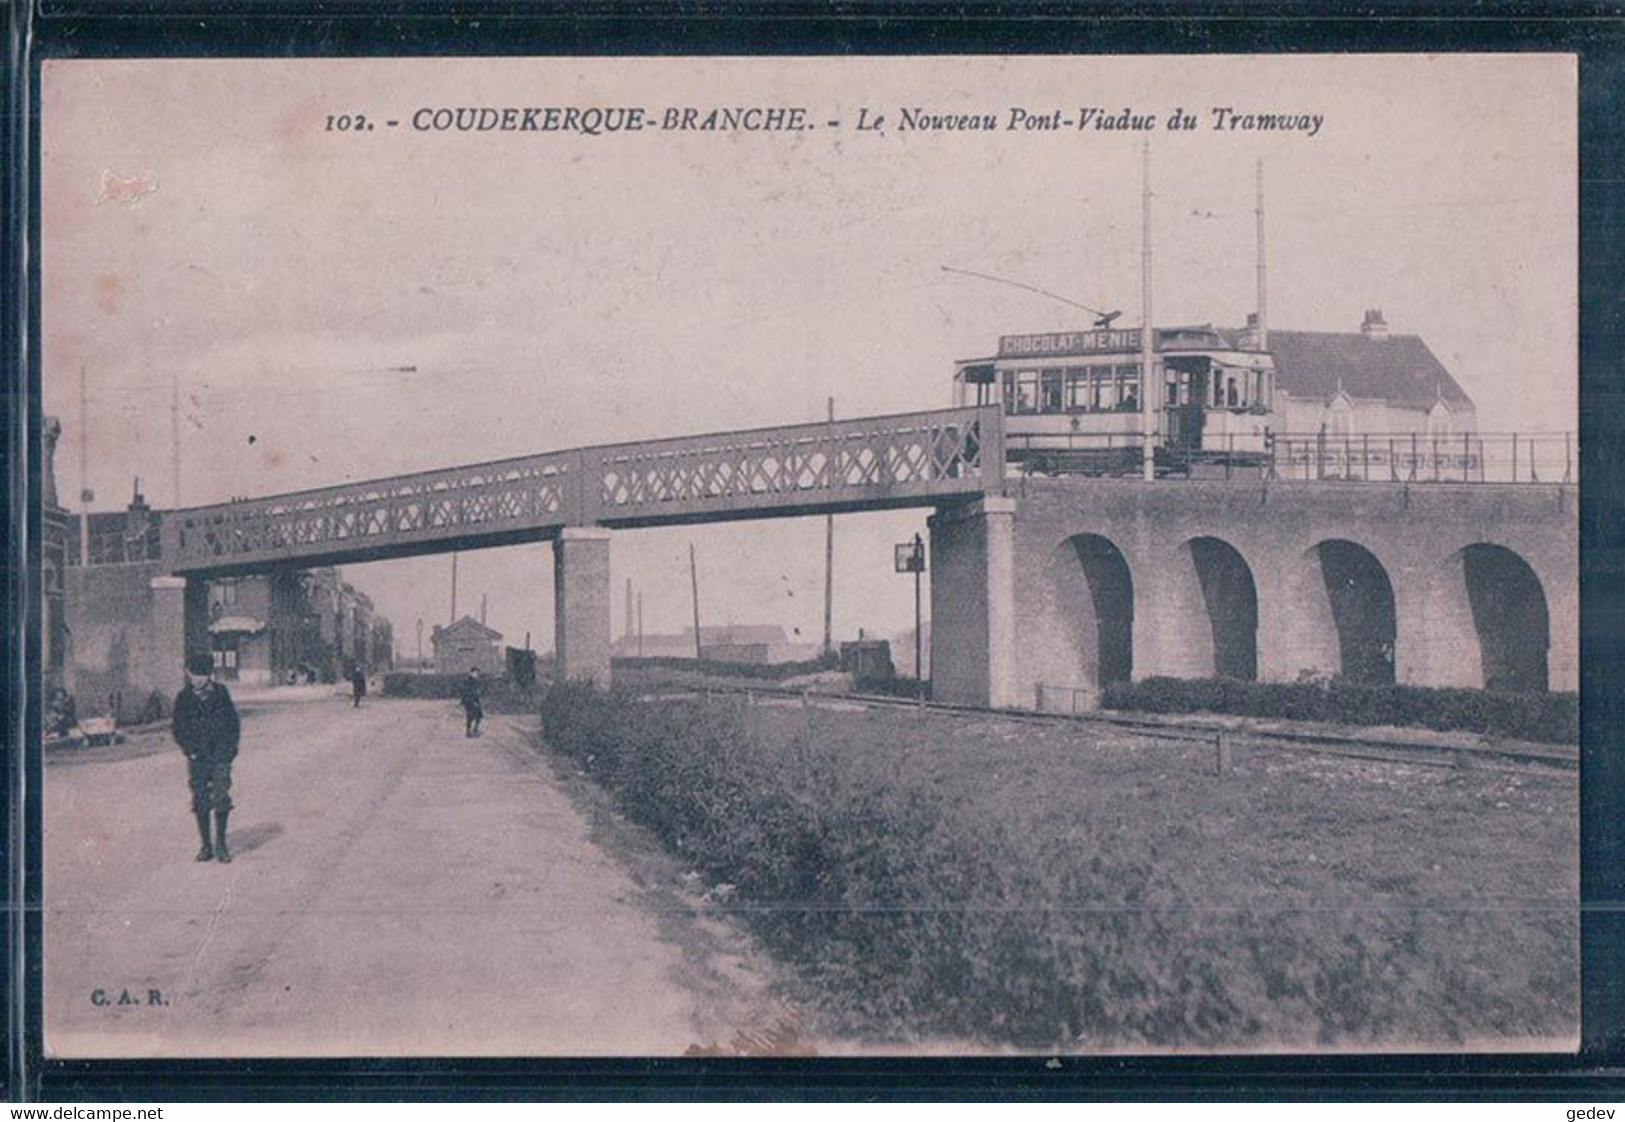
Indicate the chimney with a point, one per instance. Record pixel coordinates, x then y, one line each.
1249 335
138 501
1374 327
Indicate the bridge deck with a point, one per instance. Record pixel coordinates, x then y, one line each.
872 463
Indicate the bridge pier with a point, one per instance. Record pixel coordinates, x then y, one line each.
177 623
973 641
581 619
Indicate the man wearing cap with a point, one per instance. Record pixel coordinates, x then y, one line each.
205 725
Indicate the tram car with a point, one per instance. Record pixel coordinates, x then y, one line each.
1072 403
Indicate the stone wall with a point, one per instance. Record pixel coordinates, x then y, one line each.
1419 535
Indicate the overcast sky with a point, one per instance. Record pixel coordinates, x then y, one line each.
553 290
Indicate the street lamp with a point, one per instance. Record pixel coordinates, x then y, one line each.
420 644
909 557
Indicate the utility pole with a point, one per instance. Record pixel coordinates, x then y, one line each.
829 544
919 569
640 623
1263 319
85 493
1148 462
694 579
453 588
175 433
420 642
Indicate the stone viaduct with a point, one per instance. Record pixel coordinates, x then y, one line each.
1041 596
1042 589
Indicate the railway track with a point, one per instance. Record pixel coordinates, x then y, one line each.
1523 758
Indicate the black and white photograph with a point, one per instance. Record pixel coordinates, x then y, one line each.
809 556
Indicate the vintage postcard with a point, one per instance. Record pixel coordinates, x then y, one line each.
810 556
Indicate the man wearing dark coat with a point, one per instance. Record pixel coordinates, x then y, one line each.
358 683
206 727
469 691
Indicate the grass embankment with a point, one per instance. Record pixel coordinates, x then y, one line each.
1007 883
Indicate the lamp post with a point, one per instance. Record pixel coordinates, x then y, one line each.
909 557
420 644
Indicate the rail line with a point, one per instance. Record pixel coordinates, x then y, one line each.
1555 760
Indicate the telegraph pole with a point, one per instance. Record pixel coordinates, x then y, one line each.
85 493
453 588
829 546
175 433
694 579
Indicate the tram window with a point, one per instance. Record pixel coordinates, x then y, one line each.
1078 399
1009 391
1051 386
1026 391
1231 397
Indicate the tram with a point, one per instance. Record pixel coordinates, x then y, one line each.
1073 400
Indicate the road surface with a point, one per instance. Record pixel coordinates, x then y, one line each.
397 890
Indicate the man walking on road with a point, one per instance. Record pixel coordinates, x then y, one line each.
358 683
206 727
469 691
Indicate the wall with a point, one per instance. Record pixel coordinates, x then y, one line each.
1419 535
113 659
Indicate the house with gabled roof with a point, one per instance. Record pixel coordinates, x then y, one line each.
1368 381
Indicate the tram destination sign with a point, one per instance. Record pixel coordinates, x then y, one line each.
1069 343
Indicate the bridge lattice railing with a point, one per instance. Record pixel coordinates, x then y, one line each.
913 457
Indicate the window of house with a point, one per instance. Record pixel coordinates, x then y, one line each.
228 592
1340 419
1439 420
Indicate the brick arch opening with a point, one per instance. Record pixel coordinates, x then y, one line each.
1509 615
1222 600
1095 606
1360 603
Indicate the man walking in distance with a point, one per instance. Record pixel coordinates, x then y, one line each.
469 691
206 727
358 683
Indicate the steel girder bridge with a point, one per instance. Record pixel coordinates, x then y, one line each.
874 463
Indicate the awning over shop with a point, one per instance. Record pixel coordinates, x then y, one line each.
236 625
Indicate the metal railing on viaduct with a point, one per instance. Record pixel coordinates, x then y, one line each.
873 463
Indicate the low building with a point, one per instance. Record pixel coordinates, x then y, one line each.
465 645
742 642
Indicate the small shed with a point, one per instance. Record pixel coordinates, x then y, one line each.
461 646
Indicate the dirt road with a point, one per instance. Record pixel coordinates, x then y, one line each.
397 889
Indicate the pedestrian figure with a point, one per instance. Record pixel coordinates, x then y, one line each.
358 684
469 690
206 727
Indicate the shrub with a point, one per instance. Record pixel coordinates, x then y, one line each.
1547 717
765 671
501 695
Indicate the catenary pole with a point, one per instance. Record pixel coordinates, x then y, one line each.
1148 464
